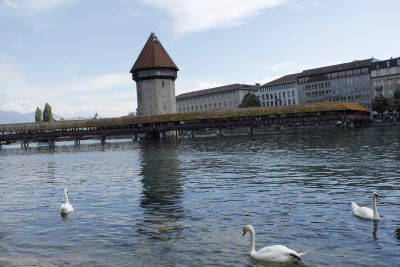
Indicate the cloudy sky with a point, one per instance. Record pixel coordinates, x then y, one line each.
76 54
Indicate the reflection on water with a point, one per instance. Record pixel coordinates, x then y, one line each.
375 231
185 202
162 191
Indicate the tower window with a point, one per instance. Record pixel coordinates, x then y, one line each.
162 83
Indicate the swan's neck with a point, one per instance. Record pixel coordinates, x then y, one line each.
66 200
252 241
375 213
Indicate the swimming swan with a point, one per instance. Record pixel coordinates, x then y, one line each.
276 253
66 207
365 212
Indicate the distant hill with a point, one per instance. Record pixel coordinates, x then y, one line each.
15 117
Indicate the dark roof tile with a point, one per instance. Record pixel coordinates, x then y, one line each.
220 89
153 55
284 79
339 67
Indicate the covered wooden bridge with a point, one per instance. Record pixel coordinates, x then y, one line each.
158 126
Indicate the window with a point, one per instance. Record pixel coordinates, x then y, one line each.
162 83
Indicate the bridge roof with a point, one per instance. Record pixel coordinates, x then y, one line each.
153 55
214 114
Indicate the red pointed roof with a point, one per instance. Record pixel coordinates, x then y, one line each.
153 55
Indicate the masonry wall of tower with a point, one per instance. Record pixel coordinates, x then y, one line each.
156 96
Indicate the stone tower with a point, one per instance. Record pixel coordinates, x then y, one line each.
154 73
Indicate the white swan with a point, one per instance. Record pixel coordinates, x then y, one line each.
66 207
276 253
365 212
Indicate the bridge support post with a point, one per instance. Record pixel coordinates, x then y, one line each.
163 135
103 140
251 131
193 133
134 137
52 143
77 141
24 144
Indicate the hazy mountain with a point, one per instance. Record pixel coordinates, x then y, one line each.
15 117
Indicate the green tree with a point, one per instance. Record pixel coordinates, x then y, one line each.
47 113
250 100
38 115
380 104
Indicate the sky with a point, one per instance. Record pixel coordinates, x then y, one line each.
76 54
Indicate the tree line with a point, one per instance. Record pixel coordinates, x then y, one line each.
46 115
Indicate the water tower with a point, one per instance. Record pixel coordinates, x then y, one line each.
154 73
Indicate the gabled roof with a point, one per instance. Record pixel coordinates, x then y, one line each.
220 89
153 55
284 79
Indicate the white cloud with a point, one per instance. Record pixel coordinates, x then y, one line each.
10 3
200 15
21 106
38 6
206 85
112 94
304 5
281 65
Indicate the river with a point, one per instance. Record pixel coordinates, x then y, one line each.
185 202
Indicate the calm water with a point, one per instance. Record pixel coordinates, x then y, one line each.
185 202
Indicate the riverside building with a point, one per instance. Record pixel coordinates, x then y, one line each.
154 73
280 92
385 78
347 82
223 97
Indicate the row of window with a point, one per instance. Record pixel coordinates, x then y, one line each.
208 98
339 74
341 83
278 87
389 83
149 73
338 98
377 64
278 95
277 103
319 93
205 107
388 71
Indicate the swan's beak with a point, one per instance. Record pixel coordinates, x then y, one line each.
244 232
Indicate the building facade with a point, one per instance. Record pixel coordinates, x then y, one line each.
280 92
154 73
348 82
223 97
385 78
